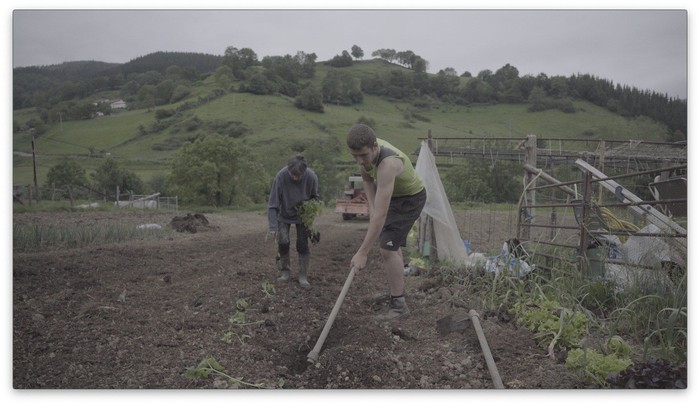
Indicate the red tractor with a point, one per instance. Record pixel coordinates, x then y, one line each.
355 202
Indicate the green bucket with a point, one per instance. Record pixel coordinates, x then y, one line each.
595 262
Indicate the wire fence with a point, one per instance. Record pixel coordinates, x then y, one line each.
598 224
28 194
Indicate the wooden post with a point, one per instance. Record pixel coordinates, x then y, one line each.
602 169
585 214
427 247
117 200
530 159
553 218
421 235
430 141
36 183
433 242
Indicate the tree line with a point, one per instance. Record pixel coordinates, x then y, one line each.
166 77
215 178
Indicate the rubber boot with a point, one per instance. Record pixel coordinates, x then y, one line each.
303 271
284 268
397 309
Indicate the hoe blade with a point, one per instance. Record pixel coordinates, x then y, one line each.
454 322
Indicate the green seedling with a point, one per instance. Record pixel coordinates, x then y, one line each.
209 366
268 289
238 319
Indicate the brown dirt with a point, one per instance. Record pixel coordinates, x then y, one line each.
138 314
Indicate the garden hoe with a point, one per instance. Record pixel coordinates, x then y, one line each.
457 322
313 354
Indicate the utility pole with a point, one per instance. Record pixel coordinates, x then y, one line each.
36 183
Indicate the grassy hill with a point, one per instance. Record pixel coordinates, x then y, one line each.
273 125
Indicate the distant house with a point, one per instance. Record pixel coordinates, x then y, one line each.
118 104
100 101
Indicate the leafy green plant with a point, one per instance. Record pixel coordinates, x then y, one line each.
241 304
268 289
595 365
238 319
551 323
308 211
229 335
209 366
618 347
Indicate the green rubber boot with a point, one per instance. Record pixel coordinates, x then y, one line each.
303 271
284 268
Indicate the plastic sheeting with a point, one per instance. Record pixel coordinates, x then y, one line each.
449 244
505 261
645 250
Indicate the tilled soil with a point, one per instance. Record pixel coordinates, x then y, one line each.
139 314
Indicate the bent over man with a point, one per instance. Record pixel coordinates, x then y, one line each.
396 198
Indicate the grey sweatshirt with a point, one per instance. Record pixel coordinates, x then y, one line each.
285 195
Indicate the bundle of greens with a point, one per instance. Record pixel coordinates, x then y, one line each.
308 211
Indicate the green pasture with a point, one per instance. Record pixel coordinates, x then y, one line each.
276 128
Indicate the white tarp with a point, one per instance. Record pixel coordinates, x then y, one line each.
450 246
644 250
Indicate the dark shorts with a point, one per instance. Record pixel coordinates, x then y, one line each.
402 214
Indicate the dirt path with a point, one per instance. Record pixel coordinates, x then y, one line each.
138 314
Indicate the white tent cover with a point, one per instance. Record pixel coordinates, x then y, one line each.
449 244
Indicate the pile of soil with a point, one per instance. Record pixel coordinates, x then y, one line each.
191 223
140 314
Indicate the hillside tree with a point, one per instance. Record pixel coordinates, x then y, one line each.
307 62
310 99
239 60
341 87
388 55
110 175
419 65
218 170
342 60
356 52
67 175
406 58
223 76
448 71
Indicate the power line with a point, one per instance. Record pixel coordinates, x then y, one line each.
67 143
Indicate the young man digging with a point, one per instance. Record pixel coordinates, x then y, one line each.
396 198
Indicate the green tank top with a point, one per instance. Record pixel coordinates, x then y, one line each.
406 183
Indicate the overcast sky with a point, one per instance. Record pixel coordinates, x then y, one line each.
646 49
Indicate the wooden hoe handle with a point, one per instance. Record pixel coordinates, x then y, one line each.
313 354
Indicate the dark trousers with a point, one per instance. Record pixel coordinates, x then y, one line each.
284 242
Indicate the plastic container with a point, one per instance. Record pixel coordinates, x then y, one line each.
595 262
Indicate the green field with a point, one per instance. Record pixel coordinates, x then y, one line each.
274 125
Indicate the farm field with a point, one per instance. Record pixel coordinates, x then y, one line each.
138 314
